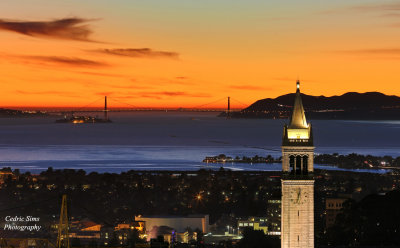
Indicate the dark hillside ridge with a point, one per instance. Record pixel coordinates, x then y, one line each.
349 106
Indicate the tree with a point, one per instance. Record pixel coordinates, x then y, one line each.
113 240
75 242
92 243
199 235
257 238
375 220
133 238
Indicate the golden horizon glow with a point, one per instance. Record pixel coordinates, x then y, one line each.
193 54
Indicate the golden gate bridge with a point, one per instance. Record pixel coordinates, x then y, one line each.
94 107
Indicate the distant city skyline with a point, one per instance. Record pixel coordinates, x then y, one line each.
188 53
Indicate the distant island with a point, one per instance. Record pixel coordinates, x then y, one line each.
21 113
349 106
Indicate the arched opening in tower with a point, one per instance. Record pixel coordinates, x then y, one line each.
298 165
292 167
305 165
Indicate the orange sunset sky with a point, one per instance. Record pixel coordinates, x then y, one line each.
171 53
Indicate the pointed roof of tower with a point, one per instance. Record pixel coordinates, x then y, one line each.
298 119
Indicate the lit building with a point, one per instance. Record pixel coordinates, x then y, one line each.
297 214
178 224
5 174
274 216
85 231
121 232
333 207
255 223
269 224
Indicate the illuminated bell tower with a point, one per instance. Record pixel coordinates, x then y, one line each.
297 216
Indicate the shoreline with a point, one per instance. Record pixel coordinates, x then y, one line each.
215 168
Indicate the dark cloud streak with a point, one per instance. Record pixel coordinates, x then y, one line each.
66 28
139 53
73 61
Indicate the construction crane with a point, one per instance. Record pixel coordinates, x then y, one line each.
63 237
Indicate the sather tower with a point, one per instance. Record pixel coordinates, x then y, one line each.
297 217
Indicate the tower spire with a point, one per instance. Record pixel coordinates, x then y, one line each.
298 118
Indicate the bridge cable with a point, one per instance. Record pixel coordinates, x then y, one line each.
81 108
113 99
199 106
240 102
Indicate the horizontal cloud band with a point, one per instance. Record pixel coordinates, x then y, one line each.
139 53
67 28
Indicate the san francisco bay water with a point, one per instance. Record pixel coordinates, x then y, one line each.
175 141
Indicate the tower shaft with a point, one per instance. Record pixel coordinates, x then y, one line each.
297 211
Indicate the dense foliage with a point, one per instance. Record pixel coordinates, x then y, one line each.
357 161
255 239
373 221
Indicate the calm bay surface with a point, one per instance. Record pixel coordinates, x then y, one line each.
175 141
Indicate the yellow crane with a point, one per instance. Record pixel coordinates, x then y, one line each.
63 237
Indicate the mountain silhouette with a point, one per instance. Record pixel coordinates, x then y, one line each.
349 106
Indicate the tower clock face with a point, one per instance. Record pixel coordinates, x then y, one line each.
299 196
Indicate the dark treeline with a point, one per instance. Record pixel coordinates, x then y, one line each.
19 113
222 158
349 161
354 160
374 221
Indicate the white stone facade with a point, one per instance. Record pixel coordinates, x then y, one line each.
297 224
